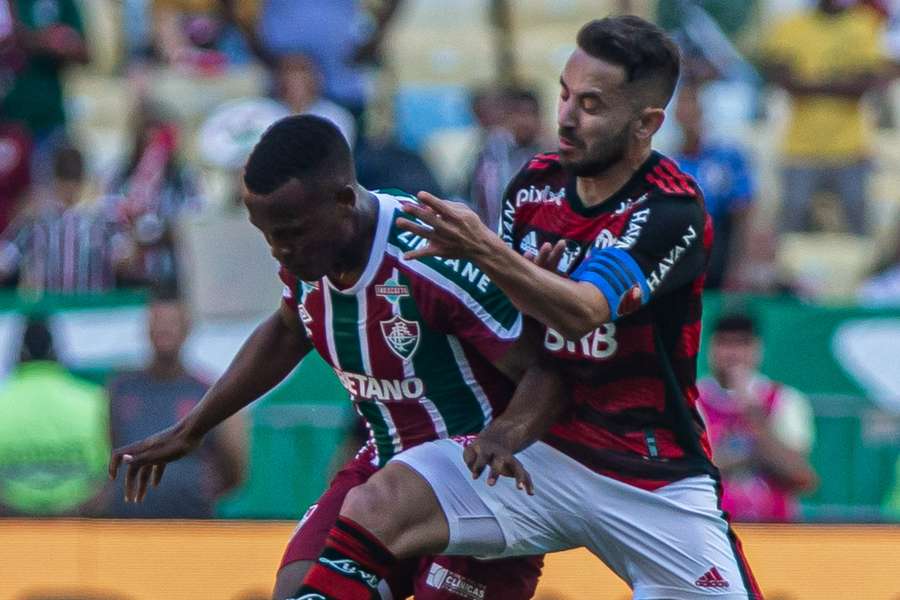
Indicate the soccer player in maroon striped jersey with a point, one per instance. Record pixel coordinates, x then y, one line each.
626 471
426 348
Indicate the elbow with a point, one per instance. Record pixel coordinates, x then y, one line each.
587 310
579 323
574 329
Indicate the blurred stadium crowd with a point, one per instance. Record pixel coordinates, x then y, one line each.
124 126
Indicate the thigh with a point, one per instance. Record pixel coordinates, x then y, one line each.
499 521
673 542
461 577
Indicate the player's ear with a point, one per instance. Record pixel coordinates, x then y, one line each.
648 122
345 197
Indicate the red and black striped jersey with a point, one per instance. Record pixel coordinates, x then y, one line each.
634 415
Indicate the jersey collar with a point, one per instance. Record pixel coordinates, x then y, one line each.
611 203
386 207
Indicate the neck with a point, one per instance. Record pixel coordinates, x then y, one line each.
165 368
359 247
596 190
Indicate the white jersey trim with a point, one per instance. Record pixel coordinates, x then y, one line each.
386 207
460 355
510 333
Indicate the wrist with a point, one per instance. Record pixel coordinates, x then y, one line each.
506 434
191 428
487 248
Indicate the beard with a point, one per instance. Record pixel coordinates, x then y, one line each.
600 158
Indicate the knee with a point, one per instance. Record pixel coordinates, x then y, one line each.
370 504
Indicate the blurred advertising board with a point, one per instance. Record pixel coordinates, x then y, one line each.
236 560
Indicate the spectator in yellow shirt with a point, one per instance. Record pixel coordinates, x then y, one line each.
826 58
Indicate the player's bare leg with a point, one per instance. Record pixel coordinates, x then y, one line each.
394 514
399 508
289 579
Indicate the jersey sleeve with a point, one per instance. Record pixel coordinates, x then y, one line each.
489 323
506 228
662 250
459 300
289 294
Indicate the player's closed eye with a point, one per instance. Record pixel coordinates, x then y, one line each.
590 104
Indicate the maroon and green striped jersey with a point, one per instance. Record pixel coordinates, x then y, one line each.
635 412
412 341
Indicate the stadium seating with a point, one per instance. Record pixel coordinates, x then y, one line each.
827 266
422 109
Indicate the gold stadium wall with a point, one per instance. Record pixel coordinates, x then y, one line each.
231 560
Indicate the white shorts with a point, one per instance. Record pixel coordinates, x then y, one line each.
669 544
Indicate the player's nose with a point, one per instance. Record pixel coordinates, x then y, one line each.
565 115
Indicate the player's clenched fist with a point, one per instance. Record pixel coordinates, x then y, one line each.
488 450
147 459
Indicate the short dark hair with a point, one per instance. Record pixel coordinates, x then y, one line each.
736 323
297 147
647 54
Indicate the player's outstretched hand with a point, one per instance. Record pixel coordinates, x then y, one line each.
486 450
452 229
549 255
147 460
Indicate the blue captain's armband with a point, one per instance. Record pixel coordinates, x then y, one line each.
615 273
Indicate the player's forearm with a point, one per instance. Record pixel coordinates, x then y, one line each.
265 359
571 308
540 399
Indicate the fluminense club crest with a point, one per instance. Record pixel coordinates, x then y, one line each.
391 290
402 336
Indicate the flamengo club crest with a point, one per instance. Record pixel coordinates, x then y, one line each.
401 335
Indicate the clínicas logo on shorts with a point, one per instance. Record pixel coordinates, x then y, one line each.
444 579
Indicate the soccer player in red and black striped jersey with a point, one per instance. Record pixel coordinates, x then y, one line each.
626 469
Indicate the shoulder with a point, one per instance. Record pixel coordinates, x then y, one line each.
541 181
460 279
540 167
676 210
447 273
399 240
666 178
